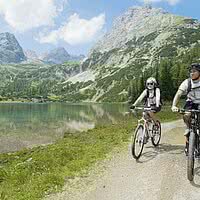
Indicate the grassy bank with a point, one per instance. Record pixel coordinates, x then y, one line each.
32 173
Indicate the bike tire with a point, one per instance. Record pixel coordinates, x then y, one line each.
190 159
156 142
138 138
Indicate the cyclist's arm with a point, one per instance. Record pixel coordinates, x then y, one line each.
141 97
177 97
157 97
181 91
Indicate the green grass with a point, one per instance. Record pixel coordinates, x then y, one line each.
33 173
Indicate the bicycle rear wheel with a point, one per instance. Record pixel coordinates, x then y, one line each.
156 134
190 160
138 141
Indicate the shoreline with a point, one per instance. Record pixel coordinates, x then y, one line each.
39 171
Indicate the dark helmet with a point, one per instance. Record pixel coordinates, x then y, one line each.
195 66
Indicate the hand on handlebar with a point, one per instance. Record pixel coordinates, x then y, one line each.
132 107
174 109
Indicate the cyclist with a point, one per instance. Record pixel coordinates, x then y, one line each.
191 88
151 94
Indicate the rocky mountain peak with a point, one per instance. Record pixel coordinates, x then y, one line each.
30 54
56 56
59 55
10 50
136 14
136 22
59 50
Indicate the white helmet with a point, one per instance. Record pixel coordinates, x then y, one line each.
151 83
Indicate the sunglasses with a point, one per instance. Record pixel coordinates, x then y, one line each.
149 83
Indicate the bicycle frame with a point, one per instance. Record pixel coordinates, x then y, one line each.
146 122
143 132
194 143
195 127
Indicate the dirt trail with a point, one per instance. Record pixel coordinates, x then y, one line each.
160 174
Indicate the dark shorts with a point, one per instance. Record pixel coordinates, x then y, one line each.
190 105
156 109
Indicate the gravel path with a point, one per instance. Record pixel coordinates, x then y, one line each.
160 174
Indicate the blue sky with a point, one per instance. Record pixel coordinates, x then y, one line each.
42 25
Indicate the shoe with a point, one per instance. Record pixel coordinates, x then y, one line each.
187 132
186 148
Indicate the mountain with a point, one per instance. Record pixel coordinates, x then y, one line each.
143 42
10 50
32 57
139 39
59 56
32 80
30 54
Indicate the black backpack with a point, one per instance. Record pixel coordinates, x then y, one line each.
189 85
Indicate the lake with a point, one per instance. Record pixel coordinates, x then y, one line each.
31 124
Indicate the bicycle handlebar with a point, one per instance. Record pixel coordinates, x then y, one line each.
141 108
182 111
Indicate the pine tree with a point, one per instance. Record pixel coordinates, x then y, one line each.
166 82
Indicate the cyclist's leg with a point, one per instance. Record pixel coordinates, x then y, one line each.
152 114
186 119
146 117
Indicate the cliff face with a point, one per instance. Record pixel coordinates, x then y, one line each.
10 50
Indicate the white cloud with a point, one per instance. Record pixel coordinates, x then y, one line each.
171 2
23 15
75 30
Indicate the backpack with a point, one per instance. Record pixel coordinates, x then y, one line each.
189 85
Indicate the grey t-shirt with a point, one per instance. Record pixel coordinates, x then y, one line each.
194 94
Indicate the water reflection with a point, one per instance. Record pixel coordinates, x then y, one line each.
28 124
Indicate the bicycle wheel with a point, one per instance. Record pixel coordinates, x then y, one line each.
156 134
138 141
190 160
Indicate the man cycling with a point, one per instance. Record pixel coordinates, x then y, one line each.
151 94
191 88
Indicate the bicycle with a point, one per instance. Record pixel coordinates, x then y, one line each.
145 129
193 147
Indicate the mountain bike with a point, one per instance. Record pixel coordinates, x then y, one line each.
193 147
145 129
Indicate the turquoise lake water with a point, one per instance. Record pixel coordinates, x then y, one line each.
30 124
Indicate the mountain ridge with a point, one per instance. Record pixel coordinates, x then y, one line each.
142 39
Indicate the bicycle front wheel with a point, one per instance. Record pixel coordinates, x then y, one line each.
138 141
190 160
156 134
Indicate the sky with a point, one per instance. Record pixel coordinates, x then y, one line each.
76 25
